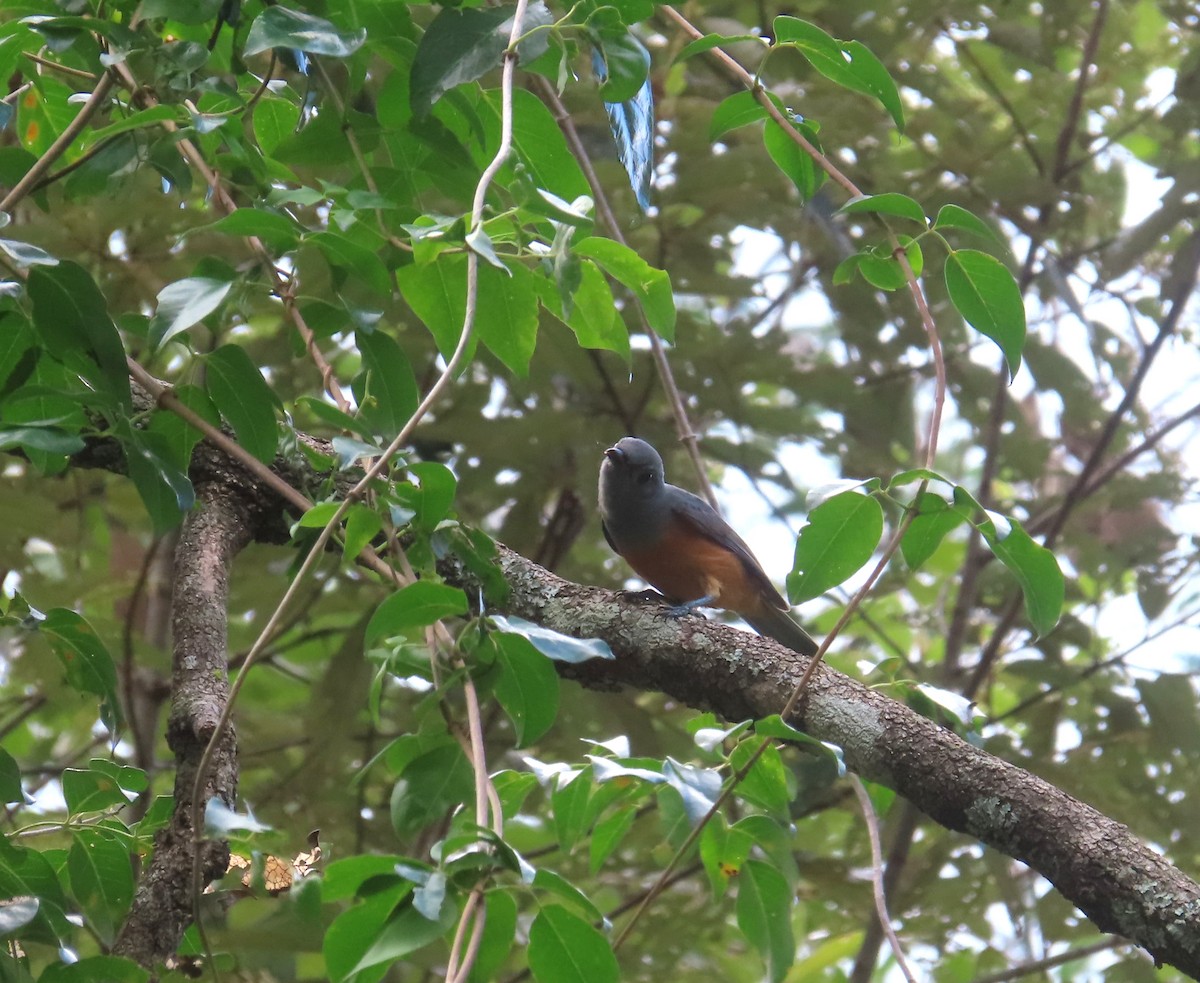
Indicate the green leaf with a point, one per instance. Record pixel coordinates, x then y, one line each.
319 515
165 490
24 255
353 932
723 851
913 475
88 790
347 255
1034 566
792 160
415 605
987 296
563 948
430 786
956 217
27 873
184 303
608 834
342 879
184 11
594 317
174 437
282 27
387 389
10 782
764 915
570 805
840 537
766 784
460 45
101 879
548 881
507 322
17 354
334 417
274 121
553 644
737 110
881 269
626 64
437 294
433 496
890 203
651 287
933 518
110 969
277 231
363 524
848 63
89 667
152 116
710 41
542 148
71 315
407 930
244 399
527 687
51 440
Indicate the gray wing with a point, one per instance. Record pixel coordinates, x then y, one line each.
708 522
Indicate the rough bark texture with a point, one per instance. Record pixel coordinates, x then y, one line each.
212 535
1122 885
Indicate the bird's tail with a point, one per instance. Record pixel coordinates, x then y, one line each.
779 625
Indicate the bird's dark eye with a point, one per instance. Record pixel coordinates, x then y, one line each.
644 477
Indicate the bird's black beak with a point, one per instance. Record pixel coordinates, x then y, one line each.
615 454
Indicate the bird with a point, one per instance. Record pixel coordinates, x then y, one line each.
681 546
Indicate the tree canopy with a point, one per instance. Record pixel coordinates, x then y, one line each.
315 322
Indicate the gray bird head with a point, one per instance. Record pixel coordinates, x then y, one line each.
631 469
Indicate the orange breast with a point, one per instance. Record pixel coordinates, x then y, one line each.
685 566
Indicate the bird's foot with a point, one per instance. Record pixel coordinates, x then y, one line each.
688 607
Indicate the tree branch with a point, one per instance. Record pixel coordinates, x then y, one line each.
1097 864
212 534
1122 885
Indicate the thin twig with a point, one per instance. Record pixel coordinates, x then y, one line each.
885 921
1075 107
43 164
55 66
1041 965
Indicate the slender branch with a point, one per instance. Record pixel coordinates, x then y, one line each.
1075 107
885 921
95 101
1039 966
62 69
